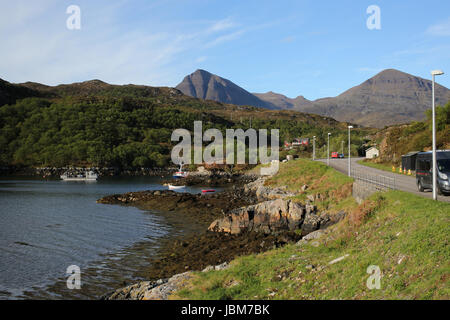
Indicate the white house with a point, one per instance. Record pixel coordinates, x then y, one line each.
372 152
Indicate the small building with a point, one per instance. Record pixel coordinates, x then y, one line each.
372 152
300 142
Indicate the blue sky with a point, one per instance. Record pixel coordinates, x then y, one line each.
311 48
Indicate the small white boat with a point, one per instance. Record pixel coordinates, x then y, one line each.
172 187
87 176
180 173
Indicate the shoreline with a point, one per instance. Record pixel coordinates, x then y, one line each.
211 248
51 172
126 265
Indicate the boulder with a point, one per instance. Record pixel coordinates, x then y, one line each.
268 216
266 193
311 222
150 290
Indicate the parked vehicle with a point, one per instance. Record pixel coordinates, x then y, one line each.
335 155
341 156
424 178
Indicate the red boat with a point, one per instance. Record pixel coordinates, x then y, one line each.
208 190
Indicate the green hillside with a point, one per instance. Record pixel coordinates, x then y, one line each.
404 235
94 123
398 140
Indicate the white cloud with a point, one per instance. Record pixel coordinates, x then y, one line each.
222 25
441 29
37 46
224 38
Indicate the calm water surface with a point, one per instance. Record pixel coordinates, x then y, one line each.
46 226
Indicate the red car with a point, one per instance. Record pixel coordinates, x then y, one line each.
335 154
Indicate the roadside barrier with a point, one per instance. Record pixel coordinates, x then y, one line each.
366 184
378 182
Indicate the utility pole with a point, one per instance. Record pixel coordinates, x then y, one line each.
349 153
328 149
433 111
314 148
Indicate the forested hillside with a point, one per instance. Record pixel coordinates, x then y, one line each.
94 123
398 140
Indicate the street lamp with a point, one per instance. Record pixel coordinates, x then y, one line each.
434 73
328 150
349 152
314 148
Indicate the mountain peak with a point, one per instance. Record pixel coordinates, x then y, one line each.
201 71
205 85
392 73
389 97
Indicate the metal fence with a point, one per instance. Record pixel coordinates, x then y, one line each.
374 181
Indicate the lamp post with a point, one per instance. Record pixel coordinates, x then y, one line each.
328 149
314 148
433 112
349 152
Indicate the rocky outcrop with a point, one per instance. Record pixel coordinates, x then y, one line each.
264 193
274 216
204 207
150 290
214 178
157 290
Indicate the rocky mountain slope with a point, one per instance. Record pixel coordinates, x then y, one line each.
390 97
204 85
283 102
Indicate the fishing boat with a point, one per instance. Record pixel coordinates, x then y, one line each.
172 187
180 173
85 176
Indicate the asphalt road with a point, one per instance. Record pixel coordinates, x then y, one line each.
402 182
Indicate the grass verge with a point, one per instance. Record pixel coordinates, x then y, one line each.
405 235
381 166
331 189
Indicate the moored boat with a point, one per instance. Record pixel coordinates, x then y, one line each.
172 187
180 173
85 176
